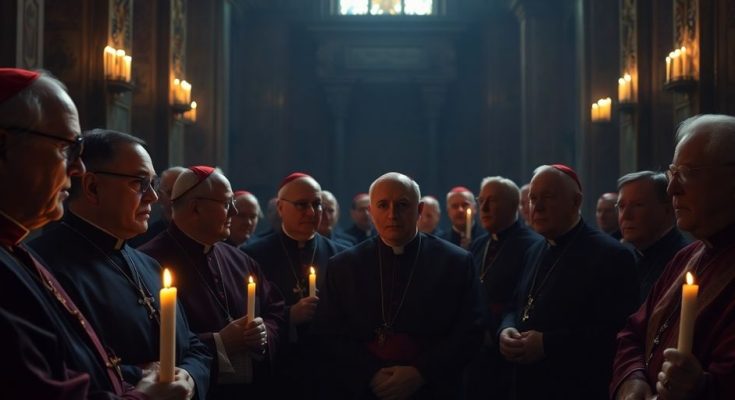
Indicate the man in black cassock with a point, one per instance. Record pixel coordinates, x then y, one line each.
498 256
459 200
362 227
430 216
646 218
400 314
212 279
577 288
50 350
116 286
286 256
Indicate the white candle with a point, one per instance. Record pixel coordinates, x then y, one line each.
312 282
119 64
621 91
595 113
676 63
109 60
128 67
628 87
668 69
468 225
168 329
251 299
684 62
688 316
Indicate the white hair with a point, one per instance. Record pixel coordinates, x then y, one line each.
508 185
720 130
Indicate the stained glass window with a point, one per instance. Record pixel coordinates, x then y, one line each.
386 7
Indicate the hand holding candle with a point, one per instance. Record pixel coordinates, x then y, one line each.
251 299
312 282
168 329
688 316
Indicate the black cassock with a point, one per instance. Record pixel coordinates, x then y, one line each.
357 235
287 267
585 288
46 352
454 237
105 277
651 261
212 286
378 309
499 264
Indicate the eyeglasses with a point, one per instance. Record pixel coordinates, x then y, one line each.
228 204
684 174
73 149
144 184
304 205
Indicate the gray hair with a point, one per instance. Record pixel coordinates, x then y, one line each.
431 201
657 179
507 184
719 127
26 108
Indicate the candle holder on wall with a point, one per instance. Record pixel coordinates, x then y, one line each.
118 67
680 73
180 96
601 111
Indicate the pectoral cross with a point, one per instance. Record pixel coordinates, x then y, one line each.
147 302
382 333
527 309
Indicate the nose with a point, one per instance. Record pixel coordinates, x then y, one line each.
232 210
150 195
674 187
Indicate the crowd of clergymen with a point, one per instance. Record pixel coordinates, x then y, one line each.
528 301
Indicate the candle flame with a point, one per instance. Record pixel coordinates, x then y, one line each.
469 211
690 278
250 280
621 81
312 271
193 105
166 278
627 77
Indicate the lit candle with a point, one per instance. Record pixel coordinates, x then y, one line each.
119 64
175 91
193 112
168 329
688 314
185 92
628 87
312 282
621 90
595 114
251 299
676 63
128 66
668 69
468 225
109 60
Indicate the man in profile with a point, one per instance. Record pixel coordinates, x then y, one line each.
430 216
607 216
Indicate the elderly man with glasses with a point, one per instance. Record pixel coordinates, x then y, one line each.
212 277
50 348
114 285
286 256
653 357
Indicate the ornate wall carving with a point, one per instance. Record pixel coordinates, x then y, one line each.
178 38
29 43
121 24
628 37
686 30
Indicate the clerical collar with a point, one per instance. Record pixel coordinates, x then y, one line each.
722 238
299 243
502 235
97 233
201 247
565 237
12 232
398 250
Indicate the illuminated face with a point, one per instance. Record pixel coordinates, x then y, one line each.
457 205
36 167
395 211
642 215
702 190
246 220
215 210
498 210
125 191
330 215
300 208
553 206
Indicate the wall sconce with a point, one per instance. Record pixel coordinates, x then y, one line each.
190 116
626 91
679 70
180 96
602 110
118 70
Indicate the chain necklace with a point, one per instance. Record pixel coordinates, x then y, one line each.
145 298
298 289
486 266
534 291
225 308
386 329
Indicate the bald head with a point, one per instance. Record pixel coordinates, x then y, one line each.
300 207
165 187
606 214
430 214
555 201
395 208
203 208
330 213
498 200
